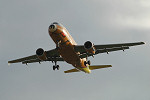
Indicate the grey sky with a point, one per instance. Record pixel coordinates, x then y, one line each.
24 28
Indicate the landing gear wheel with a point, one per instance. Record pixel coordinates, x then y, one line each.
57 67
54 67
85 63
89 62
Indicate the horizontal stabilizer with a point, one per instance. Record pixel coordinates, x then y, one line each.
71 70
99 66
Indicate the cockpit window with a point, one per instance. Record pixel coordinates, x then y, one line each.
55 23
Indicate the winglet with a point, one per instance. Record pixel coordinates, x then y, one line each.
142 43
9 64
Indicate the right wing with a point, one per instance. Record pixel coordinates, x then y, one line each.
52 55
105 48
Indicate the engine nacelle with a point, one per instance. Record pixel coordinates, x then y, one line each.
41 54
89 47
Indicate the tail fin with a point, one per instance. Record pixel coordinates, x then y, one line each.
99 66
90 67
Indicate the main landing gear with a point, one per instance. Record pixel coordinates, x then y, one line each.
56 66
57 48
87 62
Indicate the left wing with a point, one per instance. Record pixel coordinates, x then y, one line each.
52 55
105 48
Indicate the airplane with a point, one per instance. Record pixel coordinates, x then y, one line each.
68 50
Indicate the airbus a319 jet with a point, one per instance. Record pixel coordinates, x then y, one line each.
68 50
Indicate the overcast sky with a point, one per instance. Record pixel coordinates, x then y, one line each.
24 28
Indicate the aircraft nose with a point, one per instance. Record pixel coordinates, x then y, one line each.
52 28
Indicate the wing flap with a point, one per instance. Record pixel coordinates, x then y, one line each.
99 66
31 61
23 59
84 55
37 60
52 53
71 70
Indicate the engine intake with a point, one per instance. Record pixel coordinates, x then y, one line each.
41 54
89 47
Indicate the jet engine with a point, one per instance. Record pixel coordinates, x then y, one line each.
41 54
89 47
